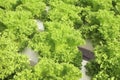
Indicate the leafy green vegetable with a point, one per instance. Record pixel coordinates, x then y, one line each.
66 24
101 25
47 69
59 58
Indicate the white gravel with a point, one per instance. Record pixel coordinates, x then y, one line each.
40 25
83 70
33 57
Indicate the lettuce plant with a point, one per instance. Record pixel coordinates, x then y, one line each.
59 58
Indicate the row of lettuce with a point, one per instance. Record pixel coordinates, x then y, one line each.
67 24
59 58
101 24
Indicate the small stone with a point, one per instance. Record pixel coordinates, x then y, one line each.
86 54
33 57
83 70
40 25
87 50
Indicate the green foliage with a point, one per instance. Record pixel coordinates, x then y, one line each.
11 63
56 46
96 5
74 2
36 7
57 43
8 5
64 13
101 25
47 69
107 62
66 22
